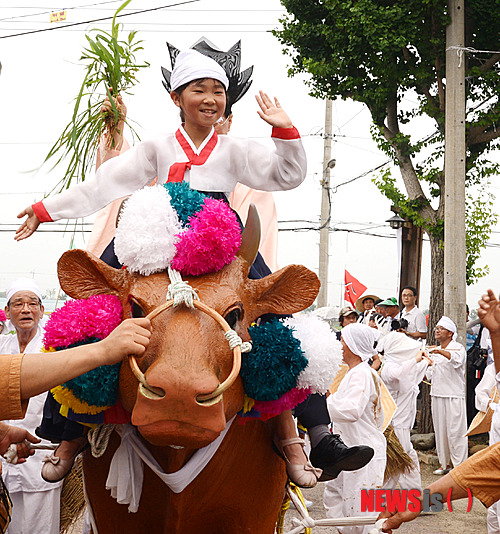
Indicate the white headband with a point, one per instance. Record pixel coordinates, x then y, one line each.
449 325
24 284
360 339
191 65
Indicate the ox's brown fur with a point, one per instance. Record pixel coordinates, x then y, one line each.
241 488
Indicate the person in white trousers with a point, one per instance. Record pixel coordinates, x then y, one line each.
448 397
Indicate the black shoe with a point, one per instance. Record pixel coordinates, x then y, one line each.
333 456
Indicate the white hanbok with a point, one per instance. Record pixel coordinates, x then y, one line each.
358 417
216 166
483 391
448 405
35 502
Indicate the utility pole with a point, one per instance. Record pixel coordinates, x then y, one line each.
324 233
454 217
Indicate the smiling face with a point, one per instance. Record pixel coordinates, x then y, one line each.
25 310
203 103
442 335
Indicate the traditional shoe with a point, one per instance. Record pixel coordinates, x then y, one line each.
333 456
55 469
302 475
441 471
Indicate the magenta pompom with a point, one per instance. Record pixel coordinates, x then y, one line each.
211 242
78 320
288 401
3 317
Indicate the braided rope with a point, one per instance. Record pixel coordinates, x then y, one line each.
99 438
179 290
235 340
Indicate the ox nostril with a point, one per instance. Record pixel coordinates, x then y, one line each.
209 402
151 392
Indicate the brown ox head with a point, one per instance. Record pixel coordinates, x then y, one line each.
188 355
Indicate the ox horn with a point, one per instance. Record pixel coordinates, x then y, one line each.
250 237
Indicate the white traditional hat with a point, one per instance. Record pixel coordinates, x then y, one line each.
191 65
23 284
360 339
449 325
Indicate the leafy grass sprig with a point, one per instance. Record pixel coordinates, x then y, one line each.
111 70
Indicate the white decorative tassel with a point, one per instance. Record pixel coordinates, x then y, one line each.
322 350
146 232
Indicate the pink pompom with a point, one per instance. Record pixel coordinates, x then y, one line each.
3 317
211 242
78 320
288 401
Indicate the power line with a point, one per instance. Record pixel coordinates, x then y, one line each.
51 10
100 19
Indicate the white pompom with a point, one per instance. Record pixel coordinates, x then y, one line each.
322 350
146 232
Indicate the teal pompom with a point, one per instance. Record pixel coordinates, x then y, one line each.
274 363
98 387
184 200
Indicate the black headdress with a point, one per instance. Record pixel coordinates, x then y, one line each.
230 61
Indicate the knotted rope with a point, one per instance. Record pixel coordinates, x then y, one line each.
179 290
235 340
99 438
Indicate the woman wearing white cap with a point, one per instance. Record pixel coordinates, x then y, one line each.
357 414
404 368
448 396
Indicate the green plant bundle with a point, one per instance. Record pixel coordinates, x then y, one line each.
111 70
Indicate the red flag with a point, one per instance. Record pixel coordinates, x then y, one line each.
353 288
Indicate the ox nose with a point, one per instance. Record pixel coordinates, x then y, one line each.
179 402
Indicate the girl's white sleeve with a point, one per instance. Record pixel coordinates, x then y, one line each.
349 405
275 170
114 179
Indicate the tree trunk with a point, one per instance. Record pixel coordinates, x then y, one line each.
435 313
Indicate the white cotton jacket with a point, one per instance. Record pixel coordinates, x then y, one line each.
228 160
402 380
448 376
26 477
356 410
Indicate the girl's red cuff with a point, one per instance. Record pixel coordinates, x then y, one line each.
41 212
285 133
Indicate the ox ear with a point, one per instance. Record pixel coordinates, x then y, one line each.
289 290
82 275
250 237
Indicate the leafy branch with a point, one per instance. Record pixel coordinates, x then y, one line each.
111 70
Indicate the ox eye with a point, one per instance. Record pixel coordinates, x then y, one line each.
135 310
233 317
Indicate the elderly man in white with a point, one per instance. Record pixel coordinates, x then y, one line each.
357 414
449 416
405 367
35 502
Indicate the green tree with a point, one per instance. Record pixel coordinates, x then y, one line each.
379 51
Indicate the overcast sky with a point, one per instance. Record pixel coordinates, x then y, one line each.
41 75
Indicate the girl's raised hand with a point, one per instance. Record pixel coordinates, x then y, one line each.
29 226
272 112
